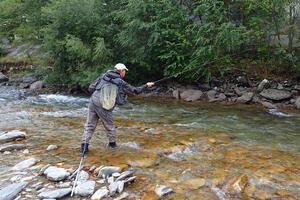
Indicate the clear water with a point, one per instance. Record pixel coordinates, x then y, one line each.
248 138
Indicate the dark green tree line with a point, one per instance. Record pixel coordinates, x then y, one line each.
156 37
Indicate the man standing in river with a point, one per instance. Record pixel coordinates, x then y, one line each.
97 110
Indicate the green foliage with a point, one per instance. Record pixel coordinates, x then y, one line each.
193 39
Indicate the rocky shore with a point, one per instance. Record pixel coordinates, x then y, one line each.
271 94
96 182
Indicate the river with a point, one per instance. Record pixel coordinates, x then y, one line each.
167 142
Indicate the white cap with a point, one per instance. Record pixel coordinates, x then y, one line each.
120 66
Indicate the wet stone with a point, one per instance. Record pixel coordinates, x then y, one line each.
25 164
10 147
55 194
56 174
100 194
124 195
11 135
108 171
194 184
83 176
26 151
11 191
86 188
113 187
124 175
51 147
162 190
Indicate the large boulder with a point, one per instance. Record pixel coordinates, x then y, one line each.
11 135
56 174
191 95
3 78
246 97
297 103
11 191
275 94
36 85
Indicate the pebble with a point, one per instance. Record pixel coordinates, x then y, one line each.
56 174
162 190
101 193
125 195
108 171
26 151
51 147
120 186
113 187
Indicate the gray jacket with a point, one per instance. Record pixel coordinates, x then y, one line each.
113 76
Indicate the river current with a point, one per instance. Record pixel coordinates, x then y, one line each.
167 141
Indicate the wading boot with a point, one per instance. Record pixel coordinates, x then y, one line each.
84 148
112 145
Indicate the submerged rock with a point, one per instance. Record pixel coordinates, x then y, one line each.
56 174
268 105
11 135
51 147
12 190
162 190
55 194
108 171
275 94
101 193
194 184
10 147
25 164
86 188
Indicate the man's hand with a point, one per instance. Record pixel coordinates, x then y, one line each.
150 84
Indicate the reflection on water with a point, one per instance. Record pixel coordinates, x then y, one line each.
162 138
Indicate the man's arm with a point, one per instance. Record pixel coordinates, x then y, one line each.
129 89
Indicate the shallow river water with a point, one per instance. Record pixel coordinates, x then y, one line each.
167 142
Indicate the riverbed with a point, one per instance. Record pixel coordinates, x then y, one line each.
167 142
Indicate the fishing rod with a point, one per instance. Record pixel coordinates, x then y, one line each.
77 175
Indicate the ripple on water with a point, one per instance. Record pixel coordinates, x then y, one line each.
66 113
57 99
281 114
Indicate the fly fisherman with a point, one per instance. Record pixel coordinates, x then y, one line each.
108 90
